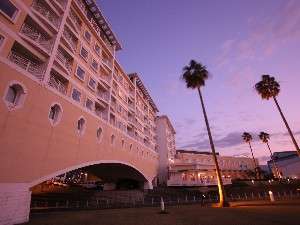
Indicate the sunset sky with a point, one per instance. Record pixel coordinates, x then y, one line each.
238 41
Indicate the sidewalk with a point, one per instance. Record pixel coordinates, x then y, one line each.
264 203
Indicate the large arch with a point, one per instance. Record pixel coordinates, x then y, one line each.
148 183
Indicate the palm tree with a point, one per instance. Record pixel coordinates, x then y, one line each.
247 137
265 137
268 88
194 76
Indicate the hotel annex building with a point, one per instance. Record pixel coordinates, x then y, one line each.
66 102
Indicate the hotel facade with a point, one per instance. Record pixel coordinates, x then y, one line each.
197 169
66 101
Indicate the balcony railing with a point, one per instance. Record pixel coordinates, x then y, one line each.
64 60
38 37
62 3
28 64
101 114
75 19
203 182
105 77
50 16
103 95
58 85
70 38
107 63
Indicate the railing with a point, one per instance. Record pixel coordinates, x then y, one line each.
94 24
56 84
75 19
101 114
103 95
47 14
63 59
105 77
179 182
107 63
37 37
62 3
30 66
70 38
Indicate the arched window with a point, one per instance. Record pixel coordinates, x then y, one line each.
112 139
55 114
14 96
81 126
99 134
123 143
130 147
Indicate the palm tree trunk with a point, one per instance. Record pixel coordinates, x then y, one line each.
273 162
223 199
287 126
254 162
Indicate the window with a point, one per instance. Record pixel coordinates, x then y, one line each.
97 49
84 53
76 95
112 139
55 114
89 104
14 96
8 9
95 64
92 83
99 133
80 73
123 143
87 36
1 40
130 147
81 126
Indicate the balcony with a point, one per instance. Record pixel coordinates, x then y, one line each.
106 78
103 95
75 20
70 39
197 182
64 59
107 63
101 111
62 3
44 11
25 60
31 30
58 82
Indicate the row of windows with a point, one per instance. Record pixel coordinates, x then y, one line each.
15 96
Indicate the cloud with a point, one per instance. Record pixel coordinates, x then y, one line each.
265 35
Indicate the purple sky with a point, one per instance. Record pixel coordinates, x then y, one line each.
237 41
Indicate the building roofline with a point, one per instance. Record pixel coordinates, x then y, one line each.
143 89
103 23
168 121
195 152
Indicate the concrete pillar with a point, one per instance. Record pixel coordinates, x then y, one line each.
148 185
15 201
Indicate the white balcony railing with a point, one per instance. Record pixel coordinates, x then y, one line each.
179 182
64 60
70 39
38 37
50 16
59 86
107 63
27 64
75 19
103 95
103 115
